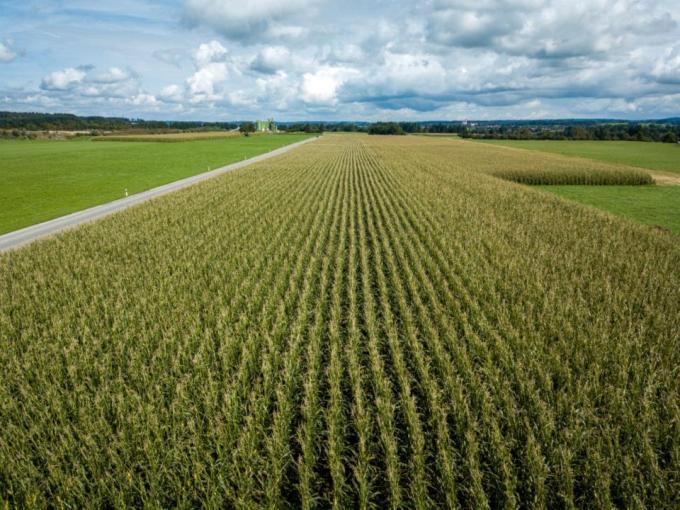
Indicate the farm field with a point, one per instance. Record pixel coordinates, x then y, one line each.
41 180
652 205
362 322
169 137
654 156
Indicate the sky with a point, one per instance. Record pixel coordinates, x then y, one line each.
220 60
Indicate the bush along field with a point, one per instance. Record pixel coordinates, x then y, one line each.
365 322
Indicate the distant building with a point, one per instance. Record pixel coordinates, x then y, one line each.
266 126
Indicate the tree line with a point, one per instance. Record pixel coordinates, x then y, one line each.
658 131
22 124
628 131
31 121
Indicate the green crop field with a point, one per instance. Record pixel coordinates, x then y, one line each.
41 180
364 322
655 156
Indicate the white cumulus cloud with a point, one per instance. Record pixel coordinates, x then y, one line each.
143 99
113 75
63 80
6 53
271 59
247 20
212 51
172 94
322 86
205 80
667 67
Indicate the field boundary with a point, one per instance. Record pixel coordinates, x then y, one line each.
26 235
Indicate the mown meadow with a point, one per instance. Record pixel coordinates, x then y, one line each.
651 155
658 206
364 322
44 179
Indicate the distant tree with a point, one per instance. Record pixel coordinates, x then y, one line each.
411 127
524 133
246 128
636 131
670 137
385 128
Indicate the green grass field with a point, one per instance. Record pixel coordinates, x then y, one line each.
364 322
41 180
652 205
654 156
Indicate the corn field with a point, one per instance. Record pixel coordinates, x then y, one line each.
577 176
364 322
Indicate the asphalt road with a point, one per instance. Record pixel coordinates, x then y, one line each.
26 235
